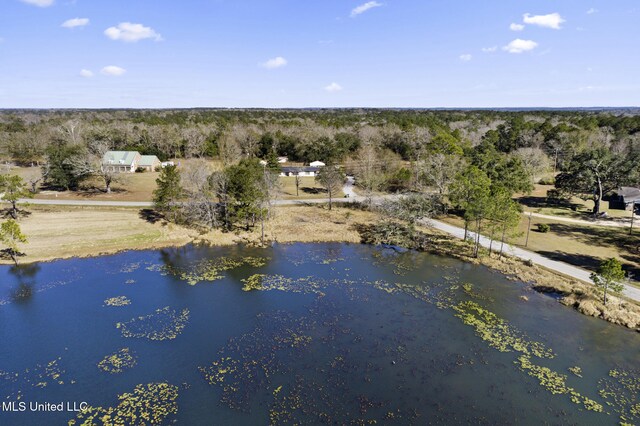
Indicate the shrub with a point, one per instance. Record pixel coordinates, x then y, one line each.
547 181
543 227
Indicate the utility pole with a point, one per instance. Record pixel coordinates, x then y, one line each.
526 243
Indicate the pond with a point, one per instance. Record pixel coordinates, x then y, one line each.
301 333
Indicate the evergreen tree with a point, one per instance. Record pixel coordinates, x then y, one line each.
608 278
246 191
14 188
168 193
11 236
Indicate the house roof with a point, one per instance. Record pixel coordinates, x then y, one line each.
629 194
122 158
148 160
295 169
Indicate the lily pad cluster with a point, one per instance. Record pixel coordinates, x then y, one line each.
556 383
263 282
117 301
497 332
13 384
164 324
621 391
147 404
118 361
247 363
207 269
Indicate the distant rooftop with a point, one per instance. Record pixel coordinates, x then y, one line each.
123 158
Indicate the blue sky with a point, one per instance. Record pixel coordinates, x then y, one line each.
318 53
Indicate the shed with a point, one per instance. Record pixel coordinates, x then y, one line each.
625 198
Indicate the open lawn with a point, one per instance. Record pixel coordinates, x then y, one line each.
309 188
129 187
57 232
60 232
575 208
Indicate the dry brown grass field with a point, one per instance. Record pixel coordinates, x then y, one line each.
57 232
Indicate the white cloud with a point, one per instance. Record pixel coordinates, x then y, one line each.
466 57
518 46
333 87
86 73
552 20
592 11
274 63
128 32
113 71
39 3
516 27
490 49
75 22
364 7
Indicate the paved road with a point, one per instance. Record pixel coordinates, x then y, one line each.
348 187
563 268
56 202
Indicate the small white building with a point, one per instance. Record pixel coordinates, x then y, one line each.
299 171
317 164
283 159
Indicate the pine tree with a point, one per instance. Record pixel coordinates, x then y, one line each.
167 195
11 236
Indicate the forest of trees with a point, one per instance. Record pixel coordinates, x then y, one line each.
473 161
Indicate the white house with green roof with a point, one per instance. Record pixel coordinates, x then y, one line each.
129 162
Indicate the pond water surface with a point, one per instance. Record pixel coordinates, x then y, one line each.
303 333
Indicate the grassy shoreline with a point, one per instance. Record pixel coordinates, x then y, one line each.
57 233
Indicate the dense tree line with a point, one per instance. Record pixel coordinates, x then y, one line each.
592 152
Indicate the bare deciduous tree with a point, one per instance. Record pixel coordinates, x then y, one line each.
439 170
200 205
229 150
90 163
535 161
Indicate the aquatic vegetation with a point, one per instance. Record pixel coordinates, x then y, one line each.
130 267
207 269
576 371
497 332
117 301
118 361
147 404
247 364
307 285
315 256
164 324
468 289
556 383
13 384
254 282
621 391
